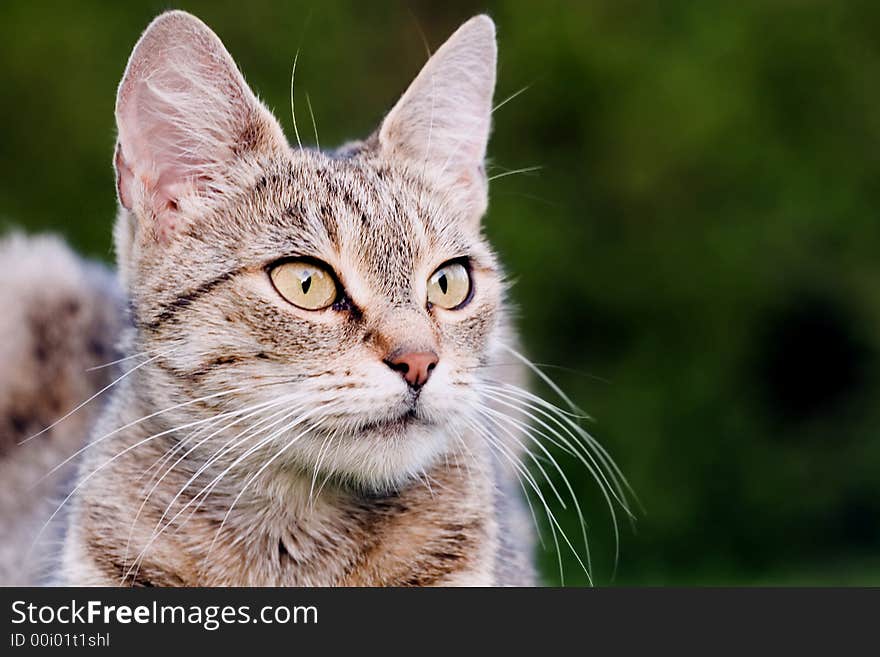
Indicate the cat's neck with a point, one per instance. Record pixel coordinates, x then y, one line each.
173 521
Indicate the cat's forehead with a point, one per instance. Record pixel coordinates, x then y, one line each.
369 213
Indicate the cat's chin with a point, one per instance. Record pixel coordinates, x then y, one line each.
386 455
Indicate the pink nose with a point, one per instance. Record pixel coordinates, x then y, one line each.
414 366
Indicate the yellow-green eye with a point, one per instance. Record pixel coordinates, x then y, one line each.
304 284
450 286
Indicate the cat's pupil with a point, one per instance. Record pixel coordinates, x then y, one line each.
443 283
306 284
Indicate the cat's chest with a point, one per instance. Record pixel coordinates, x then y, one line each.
442 533
400 541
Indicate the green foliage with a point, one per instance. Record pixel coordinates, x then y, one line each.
698 252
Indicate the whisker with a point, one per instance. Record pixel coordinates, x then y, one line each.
565 434
116 431
564 421
462 443
314 125
238 440
326 477
226 448
249 412
98 469
181 444
87 401
324 445
292 106
518 466
556 466
514 172
252 479
510 98
601 451
208 488
158 530
567 445
118 360
267 424
420 31
593 468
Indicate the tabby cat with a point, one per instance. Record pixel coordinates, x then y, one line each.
318 383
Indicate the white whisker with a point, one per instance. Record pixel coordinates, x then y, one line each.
510 98
93 397
292 105
159 530
504 451
514 172
493 416
314 125
249 412
116 431
118 360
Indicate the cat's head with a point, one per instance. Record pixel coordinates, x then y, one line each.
345 300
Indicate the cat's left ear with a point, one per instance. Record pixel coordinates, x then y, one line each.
441 123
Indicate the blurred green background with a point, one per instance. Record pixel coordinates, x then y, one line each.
699 254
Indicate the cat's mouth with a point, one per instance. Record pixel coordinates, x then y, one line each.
394 424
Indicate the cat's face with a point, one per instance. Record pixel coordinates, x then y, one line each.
348 300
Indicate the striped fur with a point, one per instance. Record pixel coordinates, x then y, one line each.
365 484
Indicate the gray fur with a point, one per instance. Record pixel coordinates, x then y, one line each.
61 317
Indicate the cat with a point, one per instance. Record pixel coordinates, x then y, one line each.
319 383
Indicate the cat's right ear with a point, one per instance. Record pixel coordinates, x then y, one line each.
184 115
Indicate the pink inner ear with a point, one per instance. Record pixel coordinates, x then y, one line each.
181 111
167 144
124 180
160 137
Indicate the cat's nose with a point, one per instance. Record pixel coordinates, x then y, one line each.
414 366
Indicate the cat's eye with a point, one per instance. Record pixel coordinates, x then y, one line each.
306 285
450 286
